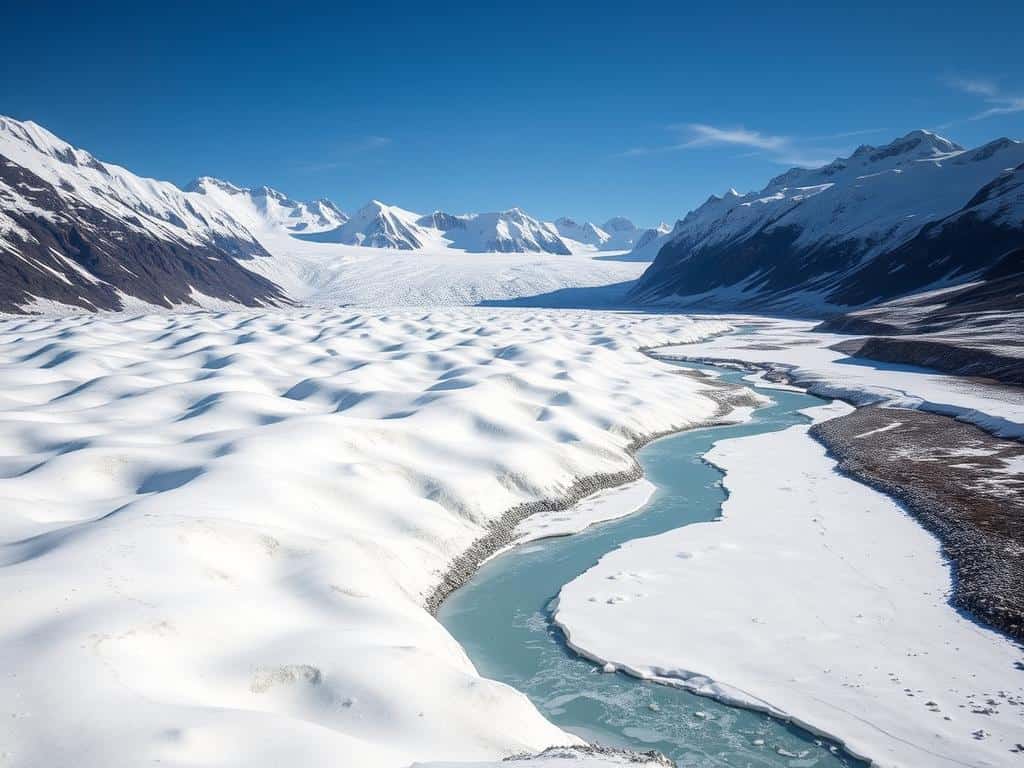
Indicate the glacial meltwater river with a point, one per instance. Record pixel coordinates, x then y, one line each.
502 618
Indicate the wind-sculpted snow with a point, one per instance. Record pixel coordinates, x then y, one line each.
219 530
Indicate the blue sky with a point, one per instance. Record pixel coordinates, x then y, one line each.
590 110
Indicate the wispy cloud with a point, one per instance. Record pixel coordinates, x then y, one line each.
344 153
1001 102
1006 106
846 134
977 86
784 150
702 135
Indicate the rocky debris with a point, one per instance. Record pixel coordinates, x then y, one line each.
959 482
624 756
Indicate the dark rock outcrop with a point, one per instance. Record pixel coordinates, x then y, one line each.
67 251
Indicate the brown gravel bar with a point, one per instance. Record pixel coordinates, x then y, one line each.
963 484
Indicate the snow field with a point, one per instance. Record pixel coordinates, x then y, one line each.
219 529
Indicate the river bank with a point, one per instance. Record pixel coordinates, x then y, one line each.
732 400
503 619
959 482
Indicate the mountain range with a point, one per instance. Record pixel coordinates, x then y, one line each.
81 232
918 214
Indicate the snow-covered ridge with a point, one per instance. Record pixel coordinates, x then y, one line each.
265 207
79 232
156 208
814 231
616 234
379 225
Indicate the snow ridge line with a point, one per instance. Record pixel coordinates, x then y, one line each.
499 537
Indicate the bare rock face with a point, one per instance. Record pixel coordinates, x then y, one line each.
60 248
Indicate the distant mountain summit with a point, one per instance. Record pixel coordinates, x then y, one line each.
585 233
81 232
378 225
265 207
918 212
616 234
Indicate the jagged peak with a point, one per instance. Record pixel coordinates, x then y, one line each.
919 143
373 206
202 183
266 191
47 143
619 224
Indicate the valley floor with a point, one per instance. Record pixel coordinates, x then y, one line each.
221 531
331 275
816 597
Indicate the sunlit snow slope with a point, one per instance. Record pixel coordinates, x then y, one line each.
219 530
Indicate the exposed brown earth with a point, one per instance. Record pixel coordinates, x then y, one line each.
963 484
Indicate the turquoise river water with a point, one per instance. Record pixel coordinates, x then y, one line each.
502 618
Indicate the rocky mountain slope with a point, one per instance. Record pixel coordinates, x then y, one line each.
79 232
918 213
974 329
89 234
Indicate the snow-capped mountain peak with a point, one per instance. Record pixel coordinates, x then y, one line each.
585 233
203 183
80 231
811 229
42 141
917 144
157 208
616 234
265 208
619 224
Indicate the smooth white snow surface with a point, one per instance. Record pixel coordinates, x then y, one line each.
814 597
218 530
331 274
789 345
607 504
